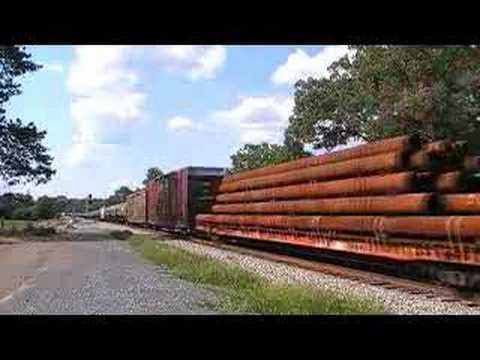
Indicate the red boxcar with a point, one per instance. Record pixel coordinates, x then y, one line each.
136 210
174 199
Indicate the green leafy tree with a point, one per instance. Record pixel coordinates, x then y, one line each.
152 173
119 196
23 158
384 91
252 156
10 202
45 208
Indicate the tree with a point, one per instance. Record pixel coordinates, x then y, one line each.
152 173
385 91
255 156
10 202
45 208
23 158
119 196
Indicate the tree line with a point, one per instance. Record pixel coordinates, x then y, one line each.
379 92
25 207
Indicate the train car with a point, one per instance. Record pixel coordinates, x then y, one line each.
173 200
121 212
136 211
114 213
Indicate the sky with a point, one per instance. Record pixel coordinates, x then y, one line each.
111 112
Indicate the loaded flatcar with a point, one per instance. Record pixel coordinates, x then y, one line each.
173 200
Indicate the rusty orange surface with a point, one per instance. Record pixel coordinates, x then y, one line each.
400 144
406 203
378 164
456 228
372 185
451 252
460 203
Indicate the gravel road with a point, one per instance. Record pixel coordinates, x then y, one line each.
91 275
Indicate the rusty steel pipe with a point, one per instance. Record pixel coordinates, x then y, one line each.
383 163
339 223
395 204
456 181
397 144
460 203
435 155
449 182
438 147
373 185
447 227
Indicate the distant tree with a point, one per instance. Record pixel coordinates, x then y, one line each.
10 202
123 192
23 158
152 173
24 213
45 208
384 91
119 196
255 156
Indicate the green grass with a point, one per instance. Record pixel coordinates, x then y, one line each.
15 228
245 292
16 224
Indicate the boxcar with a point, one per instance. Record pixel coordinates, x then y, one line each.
115 213
136 209
174 199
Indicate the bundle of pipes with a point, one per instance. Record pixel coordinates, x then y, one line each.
391 188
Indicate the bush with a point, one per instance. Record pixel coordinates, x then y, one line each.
13 229
42 231
24 213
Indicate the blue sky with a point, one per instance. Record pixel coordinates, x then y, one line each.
111 112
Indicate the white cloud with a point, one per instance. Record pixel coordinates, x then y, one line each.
300 65
258 119
180 123
198 62
54 67
103 82
104 98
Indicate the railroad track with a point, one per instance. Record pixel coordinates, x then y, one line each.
331 263
414 287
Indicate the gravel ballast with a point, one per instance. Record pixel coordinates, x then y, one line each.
394 301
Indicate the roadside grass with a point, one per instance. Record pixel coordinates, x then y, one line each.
246 292
16 224
12 228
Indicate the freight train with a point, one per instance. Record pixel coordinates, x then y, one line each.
169 202
395 199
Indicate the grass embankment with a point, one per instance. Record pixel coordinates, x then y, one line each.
246 292
12 228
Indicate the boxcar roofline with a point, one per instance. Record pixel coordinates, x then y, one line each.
195 171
